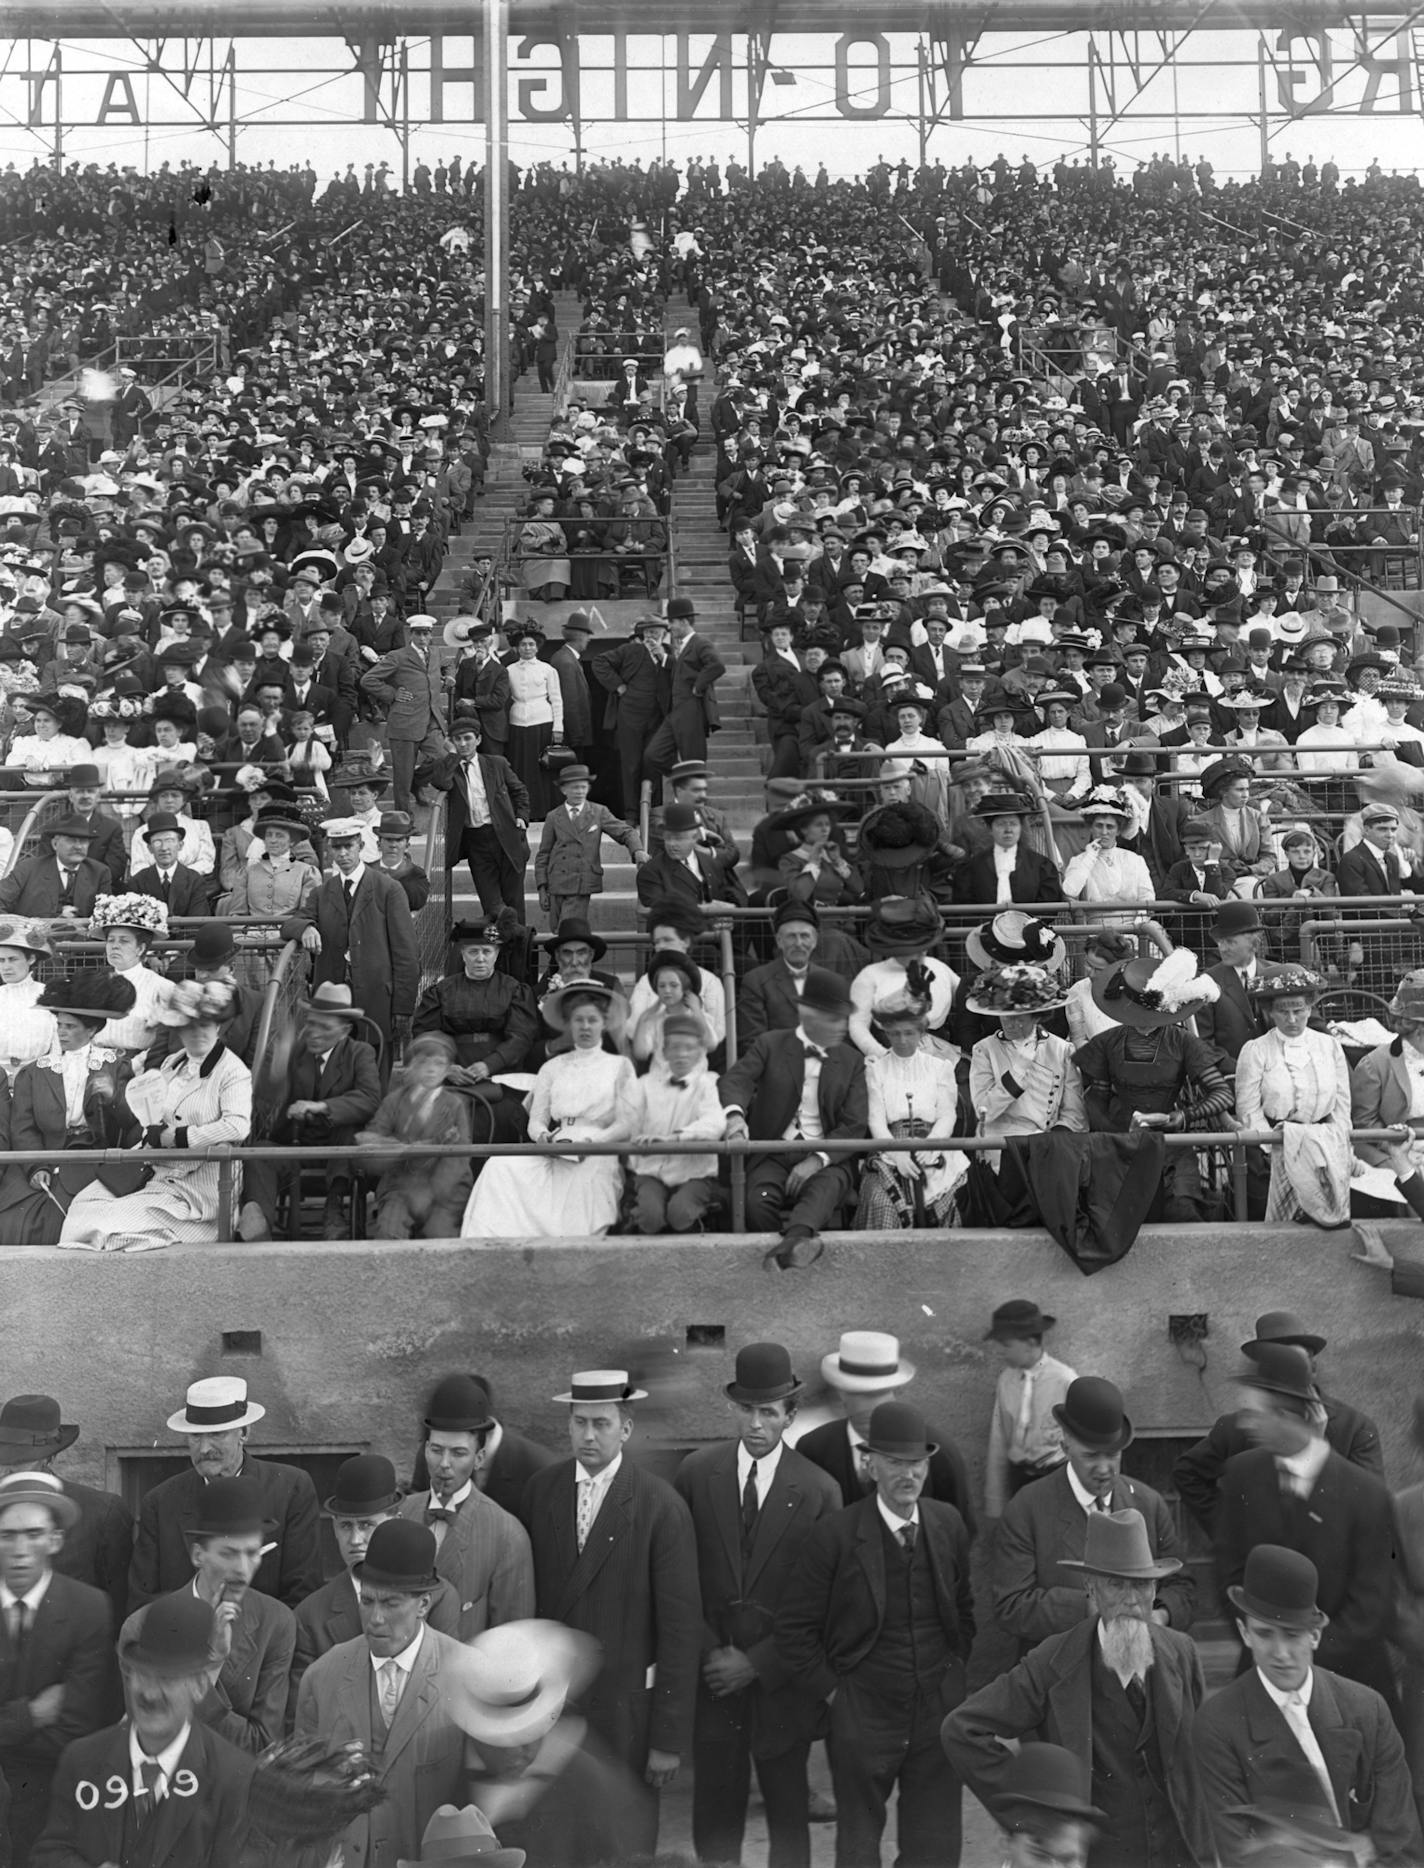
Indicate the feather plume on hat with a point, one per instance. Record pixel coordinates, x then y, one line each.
1177 983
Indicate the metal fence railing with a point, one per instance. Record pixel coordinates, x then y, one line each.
595 360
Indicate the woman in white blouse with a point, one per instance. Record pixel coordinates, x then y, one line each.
1299 1076
910 712
128 926
911 1092
45 751
1022 1080
1101 952
1103 872
1062 754
536 718
1325 753
26 1029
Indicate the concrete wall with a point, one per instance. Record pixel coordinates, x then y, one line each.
354 1334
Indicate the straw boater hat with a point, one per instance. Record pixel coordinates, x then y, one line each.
865 1362
601 1385
1006 991
39 1488
333 1001
217 1404
515 1680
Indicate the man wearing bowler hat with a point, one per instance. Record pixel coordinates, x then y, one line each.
754 1502
390 1691
1353 1435
1292 1488
96 1550
215 1419
878 1621
1044 1526
60 883
106 842
1025 1438
1284 1710
1239 935
1116 1689
159 1787
253 1636
1043 1807
695 668
638 680
504 1463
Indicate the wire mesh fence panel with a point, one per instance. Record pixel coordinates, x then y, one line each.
25 817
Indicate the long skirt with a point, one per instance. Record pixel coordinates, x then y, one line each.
527 744
544 1197
177 1207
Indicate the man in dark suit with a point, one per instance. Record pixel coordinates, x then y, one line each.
865 1369
96 1549
1292 1488
615 1557
1045 1524
482 682
486 817
639 683
1376 865
1239 934
754 1502
1160 843
184 1789
692 714
215 1419
106 842
1120 1693
1286 1719
409 690
358 927
1353 1435
61 884
182 889
1031 877
769 997
332 669
568 663
508 1460
686 869
802 1085
879 1620
57 1678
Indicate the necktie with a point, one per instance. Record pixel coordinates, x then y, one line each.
1137 1697
1101 1504
147 1801
1298 1719
585 1511
348 888
906 1535
750 1507
17 1619
66 885
390 1677
1391 870
1021 1426
862 1464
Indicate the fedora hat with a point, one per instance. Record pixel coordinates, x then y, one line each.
574 929
1279 1369
763 1374
171 1637
1092 1412
453 1837
73 827
1044 1777
393 824
866 1361
1283 1326
333 1001
511 1683
32 1423
1117 1545
898 1431
459 1404
217 1404
573 775
366 1486
400 1556
39 1488
229 1508
1019 1317
903 924
1013 937
601 1385
1279 1586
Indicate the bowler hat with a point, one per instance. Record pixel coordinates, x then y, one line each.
1283 1326
39 1488
401 1557
573 775
365 1486
825 992
1044 1777
680 818
1279 1586
171 1637
1092 1412
680 606
1236 918
899 1432
32 1422
212 944
1279 1369
763 1374
1117 1545
1019 1317
459 1404
83 778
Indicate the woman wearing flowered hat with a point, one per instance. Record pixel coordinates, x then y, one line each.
129 925
1023 1079
1297 1080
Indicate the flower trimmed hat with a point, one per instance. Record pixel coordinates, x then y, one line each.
1020 990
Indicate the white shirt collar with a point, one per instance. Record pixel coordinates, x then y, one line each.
600 1481
1301 1693
166 1760
405 1660
893 1523
766 1467
454 1503
355 876
1307 1463
32 1598
1085 1498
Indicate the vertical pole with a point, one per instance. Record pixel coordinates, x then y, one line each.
58 108
225 1167
729 988
1238 1183
922 126
753 98
403 80
496 218
231 108
1092 105
1261 82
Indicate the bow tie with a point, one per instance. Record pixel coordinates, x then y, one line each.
677 1083
437 1514
814 1050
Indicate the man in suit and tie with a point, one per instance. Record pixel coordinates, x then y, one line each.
1235 1016
1292 1488
1353 1435
180 888
333 669
686 869
96 1549
404 680
615 1556
106 842
507 1462
482 682
878 1620
390 1691
690 782
57 1678
215 1420
1286 1718
933 661
692 713
181 1789
483 1551
358 928
754 1502
1376 865
1045 1524
567 662
639 683
801 1085
487 816
1117 1690
769 997
60 884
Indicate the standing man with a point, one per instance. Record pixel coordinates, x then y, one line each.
509 1460
1025 1439
1044 1526
754 1503
878 1621
57 1660
1286 1714
96 1549
358 928
404 681
216 1419
639 683
692 708
484 1553
484 680
487 817
616 1557
567 661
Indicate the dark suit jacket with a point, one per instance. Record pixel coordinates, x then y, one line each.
485 1558
384 966
333 1615
767 1001
247 1703
508 805
660 880
290 1572
695 674
349 1083
70 1642
106 846
834 1606
1049 1696
33 887
99 1548
201 1831
1231 1020
487 685
765 1084
649 688
1358 872
741 1595
1161 844
1240 1736
828 1447
1035 879
1033 1597
1197 1473
188 893
1345 1527
634 1587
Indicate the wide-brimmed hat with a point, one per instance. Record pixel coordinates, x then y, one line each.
1117 1545
278 817
1047 1778
479 930
574 929
1283 1326
1279 1369
459 1404
903 924
1019 990
217 1404
601 1385
511 1683
553 1006
172 1637
334 1001
91 995
1408 1001
1288 982
1004 803
1014 938
865 1361
1017 1318
1153 991
31 1425
899 835
898 1431
40 1488
25 937
366 1487
1092 1412
1221 773
802 814
229 1508
763 1375
455 1837
1107 801
401 1557
1279 1586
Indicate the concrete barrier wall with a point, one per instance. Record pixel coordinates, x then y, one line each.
352 1335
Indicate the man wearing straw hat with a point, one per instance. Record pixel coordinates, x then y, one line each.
1118 1691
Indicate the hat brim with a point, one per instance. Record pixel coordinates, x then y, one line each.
1117 1444
179 1422
1069 1808
635 1394
39 1446
362 1507
1312 1345
1260 1611
565 1664
983 1010
1143 1573
1125 1011
836 1377
355 1013
1015 1332
259 1527
63 1507
594 941
878 941
982 957
615 1006
489 1858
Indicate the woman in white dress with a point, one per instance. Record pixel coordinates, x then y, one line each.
1103 872
583 1095
536 718
1298 1076
911 1092
911 711
27 1030
122 767
129 925
1022 1080
52 743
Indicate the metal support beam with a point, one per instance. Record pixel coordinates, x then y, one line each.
496 100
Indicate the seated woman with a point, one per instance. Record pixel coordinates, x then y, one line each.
1304 882
1103 872
911 710
26 1028
583 1095
816 869
911 1092
198 1098
1387 1092
1298 1076
276 885
492 1020
1101 952
129 926
1023 1080
899 937
544 572
71 1098
1244 835
675 980
675 927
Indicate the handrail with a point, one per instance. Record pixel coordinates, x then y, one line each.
283 965
28 827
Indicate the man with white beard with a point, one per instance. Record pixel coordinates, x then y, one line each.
1119 1691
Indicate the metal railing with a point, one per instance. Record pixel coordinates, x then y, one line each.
186 359
607 365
